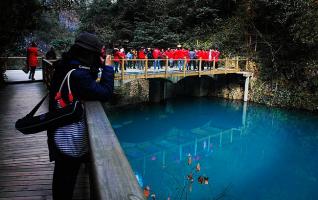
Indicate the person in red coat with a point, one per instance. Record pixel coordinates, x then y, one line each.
155 54
116 59
32 59
200 56
179 57
215 56
141 56
170 54
205 58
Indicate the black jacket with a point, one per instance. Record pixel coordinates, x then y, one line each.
83 86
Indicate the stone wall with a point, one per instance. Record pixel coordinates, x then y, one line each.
132 92
155 90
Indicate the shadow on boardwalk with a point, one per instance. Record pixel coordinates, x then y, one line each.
25 170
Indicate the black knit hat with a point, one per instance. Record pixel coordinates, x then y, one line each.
89 42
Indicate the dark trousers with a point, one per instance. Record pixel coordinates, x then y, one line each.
64 177
32 72
193 63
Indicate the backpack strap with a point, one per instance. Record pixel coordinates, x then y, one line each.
58 96
36 108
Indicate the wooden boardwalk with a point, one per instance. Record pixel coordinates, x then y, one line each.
25 170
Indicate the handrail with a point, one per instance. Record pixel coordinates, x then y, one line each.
143 67
113 177
17 57
230 65
232 62
16 62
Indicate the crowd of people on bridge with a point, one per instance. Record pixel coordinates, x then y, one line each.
177 57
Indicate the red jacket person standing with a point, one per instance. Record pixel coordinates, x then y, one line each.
32 60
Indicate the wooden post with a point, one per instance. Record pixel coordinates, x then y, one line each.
214 63
146 68
237 63
200 64
184 66
42 69
122 68
166 67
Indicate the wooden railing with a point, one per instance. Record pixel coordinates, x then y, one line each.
226 65
112 175
16 62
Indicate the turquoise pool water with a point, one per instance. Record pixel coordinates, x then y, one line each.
246 152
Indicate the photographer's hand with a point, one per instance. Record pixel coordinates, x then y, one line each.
108 60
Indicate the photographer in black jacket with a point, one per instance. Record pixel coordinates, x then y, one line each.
68 145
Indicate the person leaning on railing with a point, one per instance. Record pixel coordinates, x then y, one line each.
68 145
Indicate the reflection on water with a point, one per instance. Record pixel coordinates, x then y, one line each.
245 152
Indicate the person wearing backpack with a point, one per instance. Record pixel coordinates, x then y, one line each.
68 145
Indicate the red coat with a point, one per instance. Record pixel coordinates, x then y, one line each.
141 54
170 54
178 54
199 54
116 56
215 54
205 55
186 54
32 54
156 53
121 55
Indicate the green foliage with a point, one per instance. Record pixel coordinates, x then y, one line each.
62 44
281 34
53 33
152 35
162 23
17 19
305 28
290 37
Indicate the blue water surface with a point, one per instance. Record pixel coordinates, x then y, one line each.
247 152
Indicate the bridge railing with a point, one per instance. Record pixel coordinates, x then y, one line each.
145 68
111 174
16 62
233 62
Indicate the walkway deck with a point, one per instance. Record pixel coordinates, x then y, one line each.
25 170
18 76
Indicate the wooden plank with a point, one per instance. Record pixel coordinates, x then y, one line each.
113 176
25 170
